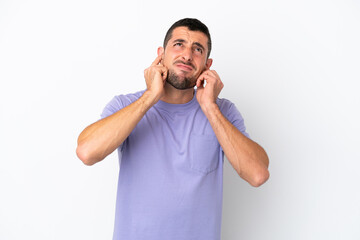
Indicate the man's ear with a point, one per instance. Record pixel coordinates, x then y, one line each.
208 63
160 51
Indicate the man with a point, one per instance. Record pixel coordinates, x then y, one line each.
171 141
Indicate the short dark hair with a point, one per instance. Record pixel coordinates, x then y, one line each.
192 24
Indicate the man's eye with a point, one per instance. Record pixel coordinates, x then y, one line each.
199 50
178 44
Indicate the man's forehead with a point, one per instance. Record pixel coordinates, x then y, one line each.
188 35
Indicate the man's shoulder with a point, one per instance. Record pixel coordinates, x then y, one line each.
129 97
120 101
223 100
224 103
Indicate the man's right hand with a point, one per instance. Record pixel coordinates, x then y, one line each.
155 77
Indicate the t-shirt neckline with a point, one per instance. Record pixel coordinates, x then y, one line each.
172 106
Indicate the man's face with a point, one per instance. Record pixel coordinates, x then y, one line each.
185 56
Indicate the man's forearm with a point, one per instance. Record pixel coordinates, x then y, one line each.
247 157
102 137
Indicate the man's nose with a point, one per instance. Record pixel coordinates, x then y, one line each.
187 54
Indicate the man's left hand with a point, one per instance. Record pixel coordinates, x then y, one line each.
207 95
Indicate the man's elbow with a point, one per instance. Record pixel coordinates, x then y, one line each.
84 156
260 178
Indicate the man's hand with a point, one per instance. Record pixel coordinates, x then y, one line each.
155 77
206 95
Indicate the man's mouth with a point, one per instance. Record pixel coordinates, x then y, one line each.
184 66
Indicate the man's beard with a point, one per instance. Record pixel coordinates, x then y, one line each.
179 82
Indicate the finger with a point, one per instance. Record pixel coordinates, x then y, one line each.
212 77
209 79
200 87
208 76
200 83
157 60
164 73
216 75
200 80
212 73
205 72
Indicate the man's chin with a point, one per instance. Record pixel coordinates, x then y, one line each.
181 85
180 81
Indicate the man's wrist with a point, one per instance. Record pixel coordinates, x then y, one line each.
149 99
210 108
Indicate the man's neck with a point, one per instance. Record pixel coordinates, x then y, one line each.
176 96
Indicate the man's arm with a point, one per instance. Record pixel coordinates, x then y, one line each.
247 157
102 137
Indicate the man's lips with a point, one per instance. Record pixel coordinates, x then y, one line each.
183 66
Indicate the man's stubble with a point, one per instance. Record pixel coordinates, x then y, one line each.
180 82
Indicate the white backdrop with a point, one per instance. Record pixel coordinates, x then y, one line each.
291 68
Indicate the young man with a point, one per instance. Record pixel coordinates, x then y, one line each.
171 141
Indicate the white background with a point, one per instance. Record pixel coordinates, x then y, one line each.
291 68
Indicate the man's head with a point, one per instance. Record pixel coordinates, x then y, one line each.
192 24
186 51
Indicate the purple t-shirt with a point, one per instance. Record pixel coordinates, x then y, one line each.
171 172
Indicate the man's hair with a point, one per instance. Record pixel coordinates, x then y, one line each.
192 24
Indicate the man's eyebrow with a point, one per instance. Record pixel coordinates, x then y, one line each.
199 45
179 40
195 43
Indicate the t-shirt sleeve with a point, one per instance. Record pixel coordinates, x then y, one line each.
116 104
233 115
112 107
119 102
